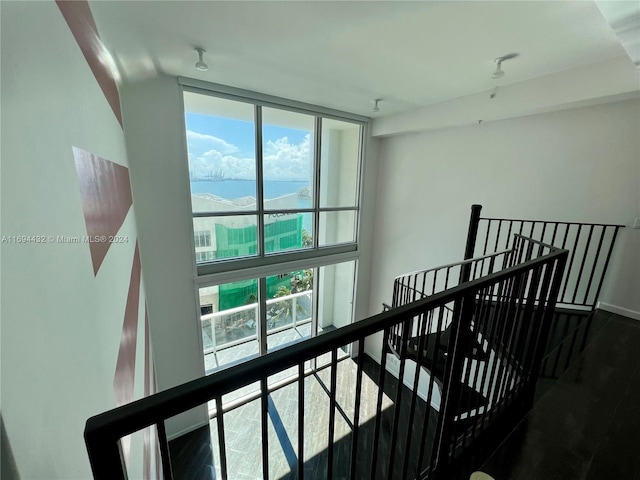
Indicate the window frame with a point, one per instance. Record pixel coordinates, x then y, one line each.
221 270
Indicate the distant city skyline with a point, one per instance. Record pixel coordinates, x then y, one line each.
224 145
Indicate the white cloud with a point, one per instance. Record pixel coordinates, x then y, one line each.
282 161
287 161
211 141
214 161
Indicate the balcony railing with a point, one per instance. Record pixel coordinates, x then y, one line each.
511 309
284 312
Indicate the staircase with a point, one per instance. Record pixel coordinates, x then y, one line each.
465 342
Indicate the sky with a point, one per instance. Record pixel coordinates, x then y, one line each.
219 144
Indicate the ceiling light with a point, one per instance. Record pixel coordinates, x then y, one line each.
200 65
499 73
376 108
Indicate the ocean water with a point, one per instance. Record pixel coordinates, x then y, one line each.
231 189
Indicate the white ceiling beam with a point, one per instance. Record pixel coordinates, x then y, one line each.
624 20
601 82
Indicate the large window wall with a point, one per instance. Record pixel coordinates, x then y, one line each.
275 195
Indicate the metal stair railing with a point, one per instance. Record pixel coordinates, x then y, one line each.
590 248
493 331
432 442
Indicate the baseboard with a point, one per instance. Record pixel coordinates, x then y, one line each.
625 312
187 430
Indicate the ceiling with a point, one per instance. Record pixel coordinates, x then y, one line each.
343 54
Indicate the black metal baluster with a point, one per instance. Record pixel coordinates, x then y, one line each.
495 247
459 340
422 333
544 229
486 239
606 264
595 263
164 451
555 231
398 399
493 337
301 421
356 415
573 254
466 377
332 412
264 423
584 259
512 289
472 234
224 471
506 243
432 385
554 289
376 428
511 324
491 345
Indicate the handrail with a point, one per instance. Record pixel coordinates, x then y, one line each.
590 246
103 431
596 224
454 264
249 306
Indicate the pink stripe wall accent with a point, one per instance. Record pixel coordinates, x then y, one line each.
146 452
106 199
83 27
124 381
159 473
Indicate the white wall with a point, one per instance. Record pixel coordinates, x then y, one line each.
576 165
154 125
61 326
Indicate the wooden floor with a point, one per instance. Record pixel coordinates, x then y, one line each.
586 426
196 455
610 363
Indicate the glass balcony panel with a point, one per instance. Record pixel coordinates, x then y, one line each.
229 318
289 308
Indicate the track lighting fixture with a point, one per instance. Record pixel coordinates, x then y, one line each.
499 73
200 65
376 108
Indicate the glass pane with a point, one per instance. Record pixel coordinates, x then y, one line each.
337 227
287 231
289 307
287 157
222 153
243 447
335 304
339 164
218 238
229 318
